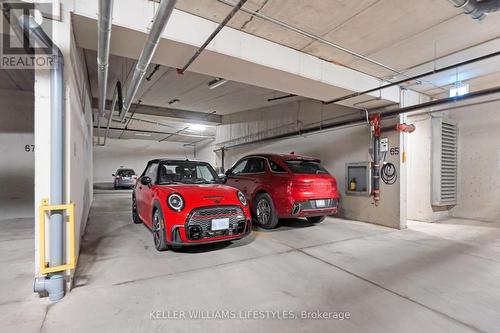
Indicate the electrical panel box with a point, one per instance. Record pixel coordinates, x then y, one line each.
384 145
359 178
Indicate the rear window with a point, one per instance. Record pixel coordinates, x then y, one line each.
305 167
276 167
126 172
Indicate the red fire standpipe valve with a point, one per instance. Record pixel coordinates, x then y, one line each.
405 128
376 132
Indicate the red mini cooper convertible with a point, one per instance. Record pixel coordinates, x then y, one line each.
183 203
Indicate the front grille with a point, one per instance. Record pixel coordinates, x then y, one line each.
199 222
311 204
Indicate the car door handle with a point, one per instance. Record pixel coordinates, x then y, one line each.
236 180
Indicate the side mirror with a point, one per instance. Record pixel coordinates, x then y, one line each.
222 177
145 180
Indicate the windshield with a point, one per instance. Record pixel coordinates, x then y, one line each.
306 167
125 172
186 173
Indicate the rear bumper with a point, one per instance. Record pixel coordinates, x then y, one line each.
123 183
178 236
316 212
305 208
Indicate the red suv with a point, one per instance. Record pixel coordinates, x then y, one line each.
284 186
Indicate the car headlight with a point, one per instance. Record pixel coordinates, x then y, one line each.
175 202
242 198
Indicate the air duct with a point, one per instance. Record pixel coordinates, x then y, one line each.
477 9
103 43
159 23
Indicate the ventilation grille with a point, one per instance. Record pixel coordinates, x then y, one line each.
444 159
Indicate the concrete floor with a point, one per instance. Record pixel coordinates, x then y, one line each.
430 277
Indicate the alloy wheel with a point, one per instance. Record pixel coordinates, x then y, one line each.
263 211
156 228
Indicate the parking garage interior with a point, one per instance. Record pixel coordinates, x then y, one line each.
398 100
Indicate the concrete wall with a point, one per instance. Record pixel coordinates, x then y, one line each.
478 165
79 139
334 147
419 172
478 162
133 154
16 164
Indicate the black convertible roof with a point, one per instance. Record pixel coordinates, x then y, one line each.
174 160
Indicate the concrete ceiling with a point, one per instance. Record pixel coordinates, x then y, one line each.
164 85
191 89
410 36
399 34
148 127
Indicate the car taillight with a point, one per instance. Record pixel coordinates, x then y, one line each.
301 185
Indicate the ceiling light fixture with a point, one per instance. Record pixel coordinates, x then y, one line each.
216 83
197 127
173 101
459 89
143 134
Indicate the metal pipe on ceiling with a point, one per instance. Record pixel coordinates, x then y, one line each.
475 94
159 132
117 97
477 9
315 37
104 22
159 23
212 35
434 71
153 122
362 119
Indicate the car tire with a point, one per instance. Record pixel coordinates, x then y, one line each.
158 229
135 216
316 219
265 211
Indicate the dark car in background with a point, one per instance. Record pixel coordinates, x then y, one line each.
284 186
124 178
